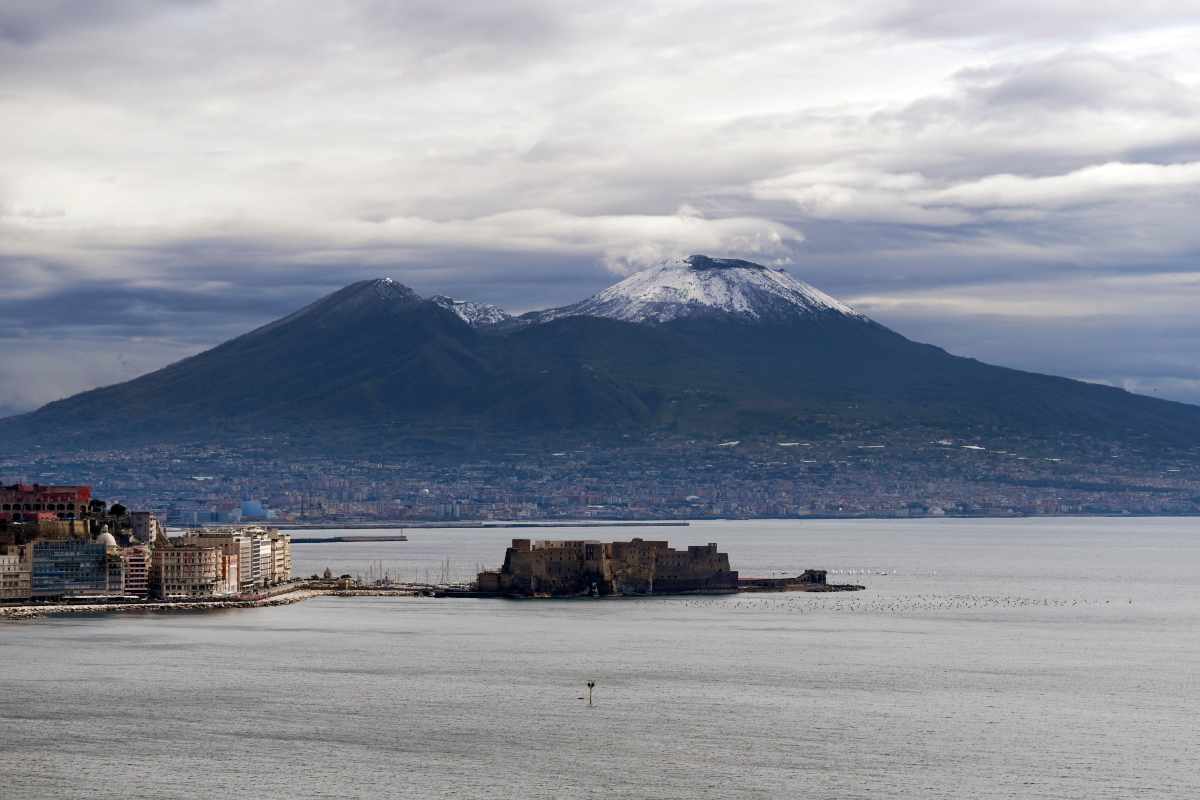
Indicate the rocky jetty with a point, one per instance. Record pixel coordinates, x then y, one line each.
56 609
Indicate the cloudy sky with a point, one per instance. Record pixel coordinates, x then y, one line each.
1016 181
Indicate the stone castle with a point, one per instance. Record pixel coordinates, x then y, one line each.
574 568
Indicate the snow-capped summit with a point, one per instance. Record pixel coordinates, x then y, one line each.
477 315
700 286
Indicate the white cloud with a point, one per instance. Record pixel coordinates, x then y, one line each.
858 194
1112 182
913 199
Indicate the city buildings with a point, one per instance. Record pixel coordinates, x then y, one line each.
265 555
221 562
146 526
137 563
76 568
59 542
192 569
866 473
24 502
281 557
15 576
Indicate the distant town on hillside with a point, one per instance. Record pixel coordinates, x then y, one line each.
671 479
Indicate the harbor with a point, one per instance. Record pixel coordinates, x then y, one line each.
547 569
64 551
357 690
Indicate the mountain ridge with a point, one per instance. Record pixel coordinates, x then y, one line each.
702 347
477 315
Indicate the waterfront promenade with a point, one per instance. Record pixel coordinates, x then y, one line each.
291 594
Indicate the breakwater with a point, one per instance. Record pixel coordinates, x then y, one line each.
343 539
57 609
283 599
407 525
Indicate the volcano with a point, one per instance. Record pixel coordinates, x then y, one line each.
697 347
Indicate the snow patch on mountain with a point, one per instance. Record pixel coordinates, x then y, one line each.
477 315
388 289
351 301
700 286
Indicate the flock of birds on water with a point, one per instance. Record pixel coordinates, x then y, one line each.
823 603
868 602
872 602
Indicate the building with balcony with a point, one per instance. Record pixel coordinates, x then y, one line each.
185 569
15 572
281 557
264 554
137 560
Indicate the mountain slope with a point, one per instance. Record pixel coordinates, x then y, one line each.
477 315
369 348
699 348
728 378
371 354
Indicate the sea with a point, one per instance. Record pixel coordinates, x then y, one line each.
1017 658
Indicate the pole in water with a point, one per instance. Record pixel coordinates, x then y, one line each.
590 685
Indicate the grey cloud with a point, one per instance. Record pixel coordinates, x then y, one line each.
491 32
233 299
105 311
28 22
1170 151
1051 19
1076 80
85 335
1153 359
1045 116
41 369
1067 91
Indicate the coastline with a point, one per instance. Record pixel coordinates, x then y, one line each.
683 522
298 595
18 613
476 524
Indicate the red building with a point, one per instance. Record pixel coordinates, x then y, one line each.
25 502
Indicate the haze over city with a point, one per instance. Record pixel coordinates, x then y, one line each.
1015 182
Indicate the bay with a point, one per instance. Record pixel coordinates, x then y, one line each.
1041 658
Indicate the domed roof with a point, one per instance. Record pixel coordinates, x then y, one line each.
106 539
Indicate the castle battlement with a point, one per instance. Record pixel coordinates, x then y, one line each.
565 568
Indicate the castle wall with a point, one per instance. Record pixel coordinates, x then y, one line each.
586 567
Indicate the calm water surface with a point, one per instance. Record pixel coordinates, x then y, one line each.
994 659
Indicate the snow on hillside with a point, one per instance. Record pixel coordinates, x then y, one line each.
702 286
474 314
